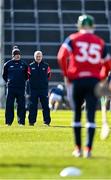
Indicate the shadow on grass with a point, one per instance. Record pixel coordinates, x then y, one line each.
98 127
62 126
29 165
20 165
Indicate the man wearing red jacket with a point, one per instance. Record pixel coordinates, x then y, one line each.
80 57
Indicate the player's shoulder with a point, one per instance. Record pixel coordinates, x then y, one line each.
74 35
8 62
77 36
90 37
32 63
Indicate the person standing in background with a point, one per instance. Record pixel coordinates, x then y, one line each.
15 74
85 52
39 75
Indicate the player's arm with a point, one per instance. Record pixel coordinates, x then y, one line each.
63 54
29 72
5 72
26 71
106 67
103 88
49 72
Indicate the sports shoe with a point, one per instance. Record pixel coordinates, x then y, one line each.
87 152
77 152
8 124
105 130
21 125
47 125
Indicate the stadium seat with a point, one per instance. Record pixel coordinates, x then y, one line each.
50 49
73 5
24 17
23 4
49 36
25 36
47 5
48 18
95 5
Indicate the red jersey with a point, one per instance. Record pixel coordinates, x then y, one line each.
85 52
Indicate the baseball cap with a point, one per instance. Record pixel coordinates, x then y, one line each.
85 20
15 50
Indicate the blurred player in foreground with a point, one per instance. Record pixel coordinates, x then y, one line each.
86 52
105 130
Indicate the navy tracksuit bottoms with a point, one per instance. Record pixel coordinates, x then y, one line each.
35 96
12 94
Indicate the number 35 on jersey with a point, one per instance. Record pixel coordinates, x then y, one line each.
90 52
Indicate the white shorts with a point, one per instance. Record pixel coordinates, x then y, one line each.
55 97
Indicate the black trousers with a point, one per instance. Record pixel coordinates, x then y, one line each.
83 89
33 109
12 95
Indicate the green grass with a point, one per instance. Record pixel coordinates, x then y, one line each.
42 152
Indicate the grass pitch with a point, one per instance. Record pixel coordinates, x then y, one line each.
42 152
